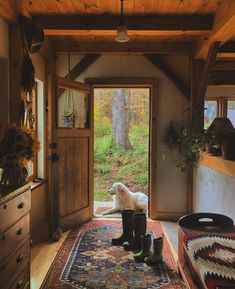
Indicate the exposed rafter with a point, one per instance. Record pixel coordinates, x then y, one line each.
80 68
222 77
224 65
206 71
170 73
82 65
72 24
126 48
223 29
227 51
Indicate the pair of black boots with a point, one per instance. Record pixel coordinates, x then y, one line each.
134 226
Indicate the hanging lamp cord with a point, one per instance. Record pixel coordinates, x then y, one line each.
121 12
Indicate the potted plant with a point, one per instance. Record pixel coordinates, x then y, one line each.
17 145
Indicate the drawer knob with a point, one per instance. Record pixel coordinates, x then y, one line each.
21 205
4 207
3 237
19 258
19 285
19 232
3 267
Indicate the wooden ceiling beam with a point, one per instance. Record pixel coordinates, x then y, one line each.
60 25
157 61
125 48
222 77
223 29
207 71
224 65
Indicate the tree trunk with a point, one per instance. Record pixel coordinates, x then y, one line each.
120 117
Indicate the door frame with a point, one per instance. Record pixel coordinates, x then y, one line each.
152 84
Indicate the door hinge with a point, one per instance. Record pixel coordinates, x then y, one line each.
53 157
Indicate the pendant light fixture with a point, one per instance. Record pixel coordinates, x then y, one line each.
122 29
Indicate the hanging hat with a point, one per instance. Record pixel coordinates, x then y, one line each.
34 35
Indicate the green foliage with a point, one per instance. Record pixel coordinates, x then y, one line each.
114 164
189 141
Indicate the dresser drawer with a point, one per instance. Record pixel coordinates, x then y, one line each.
21 280
14 209
11 238
14 263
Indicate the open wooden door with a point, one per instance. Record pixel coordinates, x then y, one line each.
72 154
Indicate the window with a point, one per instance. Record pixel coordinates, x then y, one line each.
36 121
231 111
210 112
219 107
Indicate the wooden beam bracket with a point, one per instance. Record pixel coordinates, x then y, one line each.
170 73
214 48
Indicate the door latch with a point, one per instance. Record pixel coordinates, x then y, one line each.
53 145
54 157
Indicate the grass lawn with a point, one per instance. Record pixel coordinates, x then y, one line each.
114 164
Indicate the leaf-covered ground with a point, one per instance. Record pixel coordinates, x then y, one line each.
114 164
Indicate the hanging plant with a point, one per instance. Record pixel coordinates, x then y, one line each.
172 137
188 140
69 113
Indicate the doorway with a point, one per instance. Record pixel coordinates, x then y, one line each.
150 86
121 141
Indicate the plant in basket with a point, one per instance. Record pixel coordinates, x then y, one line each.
17 145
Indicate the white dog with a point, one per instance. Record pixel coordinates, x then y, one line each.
123 198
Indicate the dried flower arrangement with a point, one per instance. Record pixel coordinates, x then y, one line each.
16 145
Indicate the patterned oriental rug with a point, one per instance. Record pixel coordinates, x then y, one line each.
88 260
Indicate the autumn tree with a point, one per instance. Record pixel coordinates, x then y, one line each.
120 117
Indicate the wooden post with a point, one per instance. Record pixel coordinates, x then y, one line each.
16 55
197 115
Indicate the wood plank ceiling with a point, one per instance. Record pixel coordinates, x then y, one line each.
170 26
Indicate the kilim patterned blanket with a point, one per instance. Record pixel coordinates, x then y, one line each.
211 259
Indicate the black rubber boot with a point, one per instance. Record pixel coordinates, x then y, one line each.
140 224
156 256
127 228
145 248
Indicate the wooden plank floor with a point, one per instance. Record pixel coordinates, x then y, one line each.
42 256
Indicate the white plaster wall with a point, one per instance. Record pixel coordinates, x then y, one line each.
171 183
213 192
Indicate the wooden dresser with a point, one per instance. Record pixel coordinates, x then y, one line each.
15 237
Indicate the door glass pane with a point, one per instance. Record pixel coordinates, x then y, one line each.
231 111
210 112
72 109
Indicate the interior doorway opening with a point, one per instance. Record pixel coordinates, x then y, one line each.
121 141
